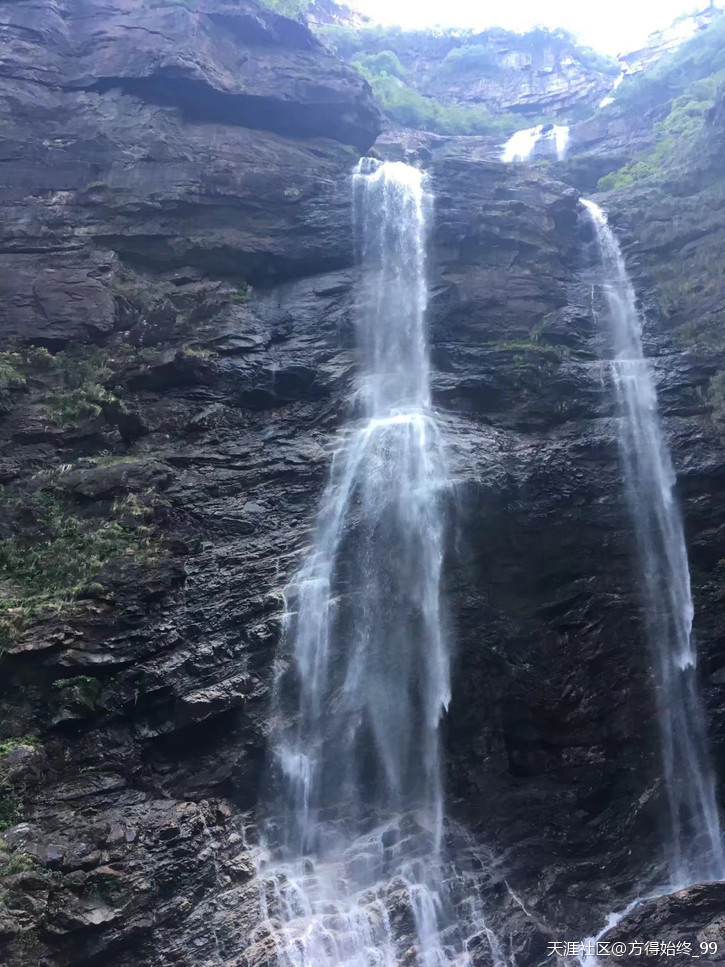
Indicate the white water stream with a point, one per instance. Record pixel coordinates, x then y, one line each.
542 140
353 870
694 847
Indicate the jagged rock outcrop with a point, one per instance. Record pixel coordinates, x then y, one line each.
681 926
219 60
113 173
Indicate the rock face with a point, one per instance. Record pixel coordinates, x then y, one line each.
541 761
552 80
178 283
663 42
680 926
218 61
150 121
537 74
157 160
642 123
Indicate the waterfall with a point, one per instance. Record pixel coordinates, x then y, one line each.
352 870
545 140
696 847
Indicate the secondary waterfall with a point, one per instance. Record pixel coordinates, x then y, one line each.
696 846
545 141
353 872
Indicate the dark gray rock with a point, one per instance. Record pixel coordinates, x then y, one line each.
682 926
227 61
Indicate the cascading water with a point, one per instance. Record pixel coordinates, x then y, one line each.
352 872
545 141
696 847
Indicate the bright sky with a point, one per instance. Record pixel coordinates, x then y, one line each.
614 26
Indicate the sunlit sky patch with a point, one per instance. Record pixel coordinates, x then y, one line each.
614 27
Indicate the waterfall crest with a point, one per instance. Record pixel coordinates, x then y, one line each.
353 869
696 847
545 140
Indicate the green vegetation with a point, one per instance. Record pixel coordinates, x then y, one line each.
11 377
79 681
407 107
59 555
348 41
82 373
706 334
562 41
386 62
379 53
701 57
477 47
716 399
13 366
10 745
674 133
131 507
681 88
469 59
195 352
11 811
520 344
687 110
649 167
28 941
544 353
597 61
244 292
288 8
17 863
89 381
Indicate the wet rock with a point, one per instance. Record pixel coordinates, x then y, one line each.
120 477
165 86
224 61
679 926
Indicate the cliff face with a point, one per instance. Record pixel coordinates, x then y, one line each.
542 74
163 442
660 43
178 355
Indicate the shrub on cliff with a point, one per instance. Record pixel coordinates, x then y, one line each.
674 133
50 555
386 62
469 59
465 51
699 58
288 8
716 399
11 378
407 107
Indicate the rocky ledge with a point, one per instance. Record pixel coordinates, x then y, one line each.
683 927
